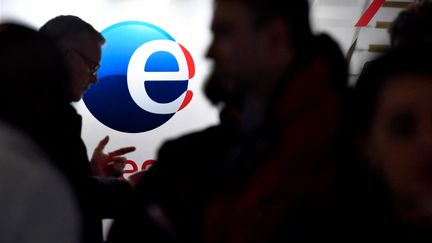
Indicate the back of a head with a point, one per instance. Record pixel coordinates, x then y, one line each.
66 29
413 25
326 48
32 76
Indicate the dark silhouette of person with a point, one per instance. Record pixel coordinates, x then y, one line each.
101 194
390 108
38 204
412 26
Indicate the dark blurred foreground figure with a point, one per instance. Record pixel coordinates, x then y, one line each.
267 172
291 193
413 26
80 45
391 123
100 193
37 203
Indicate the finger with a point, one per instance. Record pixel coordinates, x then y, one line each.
118 160
122 151
116 166
116 170
102 143
119 167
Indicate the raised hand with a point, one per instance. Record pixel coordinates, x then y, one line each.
111 163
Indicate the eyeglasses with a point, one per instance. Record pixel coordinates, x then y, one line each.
93 66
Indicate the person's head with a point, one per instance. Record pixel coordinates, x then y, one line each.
413 25
254 43
391 116
33 76
321 75
81 47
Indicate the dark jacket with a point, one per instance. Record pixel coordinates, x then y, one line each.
98 197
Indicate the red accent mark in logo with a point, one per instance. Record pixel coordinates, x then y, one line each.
186 101
189 60
370 13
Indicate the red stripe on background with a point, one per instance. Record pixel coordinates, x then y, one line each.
370 13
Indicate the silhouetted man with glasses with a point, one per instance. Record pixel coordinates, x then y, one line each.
100 193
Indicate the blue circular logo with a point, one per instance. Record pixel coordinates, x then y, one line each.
143 78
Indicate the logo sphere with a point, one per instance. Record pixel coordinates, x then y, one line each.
143 78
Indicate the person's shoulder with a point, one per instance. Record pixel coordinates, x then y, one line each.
35 189
194 139
23 159
187 150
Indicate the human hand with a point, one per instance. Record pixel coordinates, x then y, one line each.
109 164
